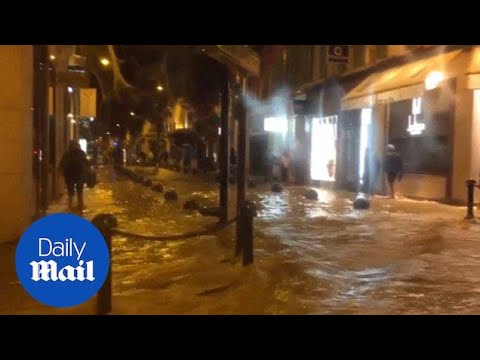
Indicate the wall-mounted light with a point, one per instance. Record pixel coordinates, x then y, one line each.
433 79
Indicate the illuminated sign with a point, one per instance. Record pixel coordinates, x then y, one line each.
414 126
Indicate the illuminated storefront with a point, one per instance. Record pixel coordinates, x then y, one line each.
415 107
324 148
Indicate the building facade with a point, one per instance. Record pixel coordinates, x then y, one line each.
421 98
39 104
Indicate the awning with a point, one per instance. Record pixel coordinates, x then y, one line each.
402 82
473 70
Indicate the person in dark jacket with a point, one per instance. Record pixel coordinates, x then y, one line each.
74 165
393 167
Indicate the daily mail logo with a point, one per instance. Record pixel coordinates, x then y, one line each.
62 260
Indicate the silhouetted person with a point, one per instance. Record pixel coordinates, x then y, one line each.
393 167
285 166
372 168
74 165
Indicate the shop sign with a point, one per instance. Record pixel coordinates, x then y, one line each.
414 126
338 54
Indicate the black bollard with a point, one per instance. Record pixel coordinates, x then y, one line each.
248 211
157 187
105 223
170 195
470 186
277 188
361 202
147 182
311 194
191 204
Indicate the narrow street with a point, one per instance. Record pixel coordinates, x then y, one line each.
311 257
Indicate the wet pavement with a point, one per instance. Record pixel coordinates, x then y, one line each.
311 257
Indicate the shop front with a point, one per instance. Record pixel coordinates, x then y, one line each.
333 136
418 108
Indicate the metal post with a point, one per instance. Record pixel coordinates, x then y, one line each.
470 186
224 151
247 212
105 223
241 168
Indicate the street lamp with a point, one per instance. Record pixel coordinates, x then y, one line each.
160 88
104 61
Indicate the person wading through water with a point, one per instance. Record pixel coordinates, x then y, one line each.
75 167
393 167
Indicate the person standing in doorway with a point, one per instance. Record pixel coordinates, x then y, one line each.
74 165
393 167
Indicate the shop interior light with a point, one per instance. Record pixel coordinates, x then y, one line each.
323 153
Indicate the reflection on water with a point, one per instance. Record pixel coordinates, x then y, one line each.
310 256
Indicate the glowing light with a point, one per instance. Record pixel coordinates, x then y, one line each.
324 152
433 79
92 119
276 124
219 131
52 57
160 88
72 121
132 113
70 115
70 89
83 145
118 125
366 119
108 132
104 61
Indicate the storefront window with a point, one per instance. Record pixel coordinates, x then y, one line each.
422 141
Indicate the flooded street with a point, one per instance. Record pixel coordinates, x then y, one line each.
311 257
